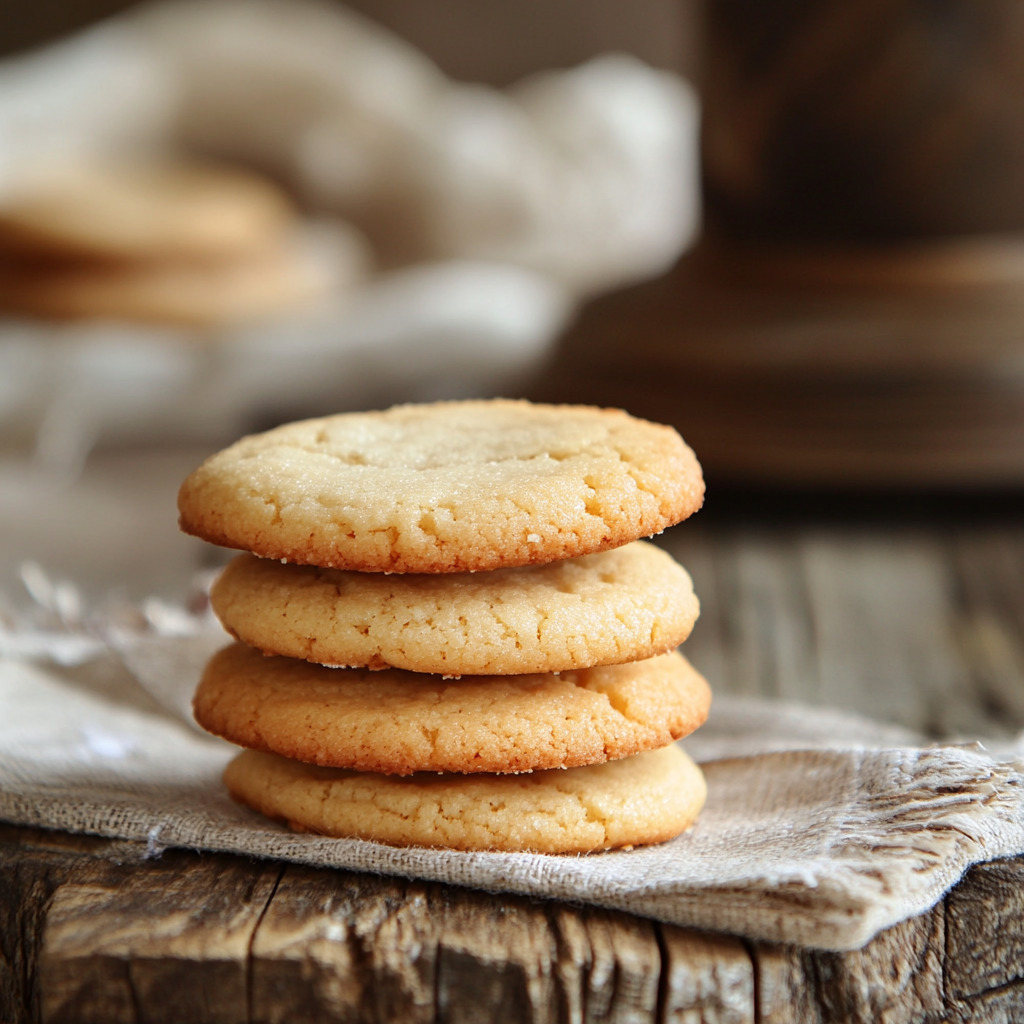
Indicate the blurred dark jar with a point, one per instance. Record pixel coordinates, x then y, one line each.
863 119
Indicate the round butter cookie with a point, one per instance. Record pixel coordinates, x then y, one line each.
444 487
648 798
185 294
397 723
140 210
626 604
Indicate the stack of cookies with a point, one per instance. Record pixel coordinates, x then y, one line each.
449 631
159 241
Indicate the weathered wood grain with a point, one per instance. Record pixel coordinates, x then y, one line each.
987 565
985 932
117 937
305 953
1005 1007
783 995
901 979
25 890
706 979
607 967
495 960
915 626
105 934
897 977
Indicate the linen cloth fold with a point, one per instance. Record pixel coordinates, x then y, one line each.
820 829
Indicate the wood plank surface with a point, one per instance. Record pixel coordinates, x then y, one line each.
95 931
918 623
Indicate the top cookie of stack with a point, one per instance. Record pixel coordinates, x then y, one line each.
444 487
485 559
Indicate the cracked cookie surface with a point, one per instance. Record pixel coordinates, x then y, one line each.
648 798
626 604
397 723
444 487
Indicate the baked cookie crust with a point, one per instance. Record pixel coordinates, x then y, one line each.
649 798
398 723
626 604
444 487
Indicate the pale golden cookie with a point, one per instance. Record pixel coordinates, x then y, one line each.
444 487
197 294
622 605
397 722
140 210
648 798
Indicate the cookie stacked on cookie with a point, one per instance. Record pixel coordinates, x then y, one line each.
471 645
163 241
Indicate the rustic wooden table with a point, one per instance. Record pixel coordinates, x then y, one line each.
912 613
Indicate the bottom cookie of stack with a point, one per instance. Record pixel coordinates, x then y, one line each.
642 799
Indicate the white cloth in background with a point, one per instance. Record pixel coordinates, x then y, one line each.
461 223
587 175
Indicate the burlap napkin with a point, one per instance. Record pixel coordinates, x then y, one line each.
820 829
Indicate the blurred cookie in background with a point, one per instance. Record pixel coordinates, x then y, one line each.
304 266
164 241
152 208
